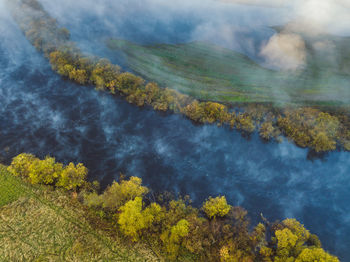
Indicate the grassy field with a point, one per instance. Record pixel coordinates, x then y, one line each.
10 187
39 224
210 72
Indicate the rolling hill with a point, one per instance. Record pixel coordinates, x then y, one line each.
210 72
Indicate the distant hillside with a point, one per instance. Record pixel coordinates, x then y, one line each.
210 72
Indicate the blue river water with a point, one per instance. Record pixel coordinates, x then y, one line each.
43 114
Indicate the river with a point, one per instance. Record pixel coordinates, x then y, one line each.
43 114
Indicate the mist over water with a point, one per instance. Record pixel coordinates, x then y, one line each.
42 114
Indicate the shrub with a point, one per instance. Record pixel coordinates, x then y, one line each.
215 207
133 219
20 164
45 171
48 171
72 176
118 194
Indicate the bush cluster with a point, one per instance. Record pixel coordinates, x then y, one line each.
48 171
215 232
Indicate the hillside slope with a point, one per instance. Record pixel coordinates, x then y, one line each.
210 72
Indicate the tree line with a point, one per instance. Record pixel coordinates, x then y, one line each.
216 231
306 126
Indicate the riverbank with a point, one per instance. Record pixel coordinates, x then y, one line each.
314 128
38 222
42 220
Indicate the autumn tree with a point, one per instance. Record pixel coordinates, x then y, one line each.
258 236
177 210
173 237
118 194
133 218
321 142
194 111
152 91
72 176
268 131
315 254
309 127
127 83
45 171
20 165
295 243
48 171
216 207
214 112
78 75
104 74
286 243
245 123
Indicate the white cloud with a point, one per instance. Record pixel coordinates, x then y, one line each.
285 51
332 16
271 3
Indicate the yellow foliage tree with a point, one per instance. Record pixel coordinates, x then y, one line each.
194 111
45 171
258 236
296 244
266 253
286 242
215 207
118 194
127 83
133 219
65 69
322 142
315 254
48 172
78 75
20 164
267 130
172 238
72 176
214 112
297 228
152 92
245 123
104 73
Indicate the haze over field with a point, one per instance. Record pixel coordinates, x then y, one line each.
209 72
237 24
243 26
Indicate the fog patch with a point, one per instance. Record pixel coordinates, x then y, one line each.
285 51
269 3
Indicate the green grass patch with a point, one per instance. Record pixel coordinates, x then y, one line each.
209 72
38 223
11 187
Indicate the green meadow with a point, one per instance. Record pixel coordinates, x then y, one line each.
209 72
41 224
